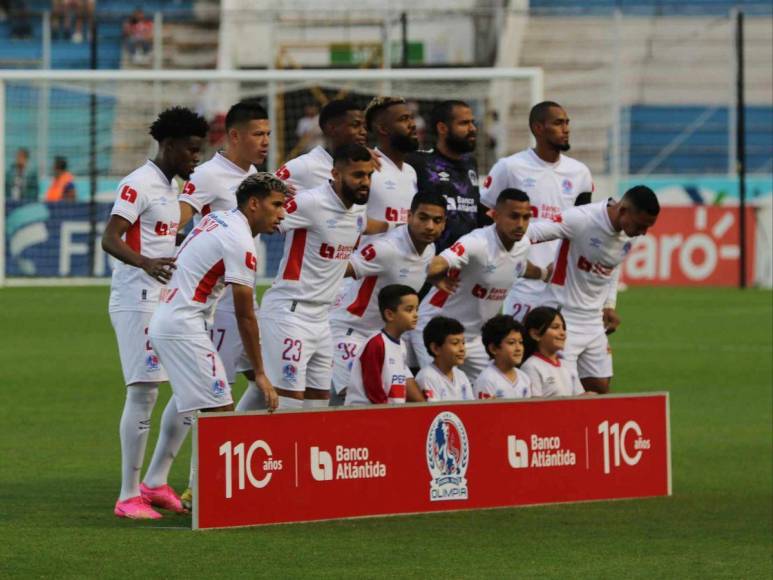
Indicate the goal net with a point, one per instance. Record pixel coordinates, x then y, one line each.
96 122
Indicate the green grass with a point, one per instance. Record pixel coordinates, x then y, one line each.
60 468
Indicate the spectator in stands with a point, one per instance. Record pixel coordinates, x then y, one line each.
62 187
21 181
138 36
17 15
308 132
66 13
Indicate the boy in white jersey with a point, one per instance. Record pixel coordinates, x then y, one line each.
442 379
502 336
342 123
545 338
399 257
212 187
553 181
379 374
218 252
141 235
596 239
474 276
323 226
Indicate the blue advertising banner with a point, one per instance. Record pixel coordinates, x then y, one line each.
52 240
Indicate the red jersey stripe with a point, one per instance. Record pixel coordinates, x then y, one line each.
205 285
559 274
439 299
134 237
295 257
397 392
362 300
371 366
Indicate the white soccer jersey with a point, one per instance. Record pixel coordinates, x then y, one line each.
379 372
219 251
389 259
493 384
584 270
309 170
321 236
391 192
212 187
485 270
549 379
436 386
551 187
148 201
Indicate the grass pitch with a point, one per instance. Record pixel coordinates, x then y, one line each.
60 466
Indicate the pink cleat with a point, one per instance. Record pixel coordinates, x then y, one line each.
135 508
162 496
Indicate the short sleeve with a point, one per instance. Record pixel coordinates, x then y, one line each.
426 385
130 202
197 193
460 253
532 373
484 387
294 172
372 259
497 180
299 213
241 264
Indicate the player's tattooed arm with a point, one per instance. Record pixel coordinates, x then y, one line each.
536 273
159 268
248 330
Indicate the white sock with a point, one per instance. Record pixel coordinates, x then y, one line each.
315 403
134 429
174 429
290 403
252 399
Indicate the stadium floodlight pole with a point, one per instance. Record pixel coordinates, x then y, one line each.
93 154
2 183
740 149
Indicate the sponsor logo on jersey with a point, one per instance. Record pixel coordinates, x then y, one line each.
473 177
349 463
627 248
218 387
537 452
529 182
360 223
283 173
448 454
389 184
487 182
189 188
290 373
444 176
595 242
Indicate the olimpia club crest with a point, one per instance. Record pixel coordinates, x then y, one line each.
448 452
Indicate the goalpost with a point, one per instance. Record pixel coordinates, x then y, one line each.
98 121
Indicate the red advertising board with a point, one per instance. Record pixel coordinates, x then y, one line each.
255 468
692 246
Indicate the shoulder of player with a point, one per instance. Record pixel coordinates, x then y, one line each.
573 165
460 377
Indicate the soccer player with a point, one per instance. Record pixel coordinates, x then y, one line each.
217 253
483 264
398 257
379 374
322 227
342 123
553 181
450 168
394 184
212 187
545 338
141 235
442 379
596 239
502 337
